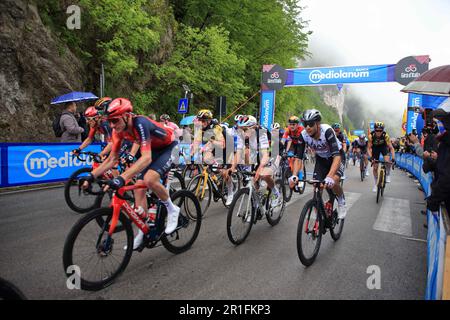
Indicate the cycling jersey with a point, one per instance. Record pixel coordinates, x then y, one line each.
326 146
383 140
205 134
145 131
102 128
293 135
361 144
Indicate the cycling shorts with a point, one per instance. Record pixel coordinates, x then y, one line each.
295 149
161 161
323 166
377 150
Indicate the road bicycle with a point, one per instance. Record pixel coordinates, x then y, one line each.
381 180
362 168
251 204
209 184
316 218
286 167
102 252
84 200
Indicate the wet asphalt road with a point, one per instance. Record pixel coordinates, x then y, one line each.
34 225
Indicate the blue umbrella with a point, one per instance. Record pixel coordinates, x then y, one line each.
187 121
74 97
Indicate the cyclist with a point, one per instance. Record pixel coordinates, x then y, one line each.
361 145
342 139
248 129
379 143
354 151
210 135
292 137
328 149
164 119
96 124
156 144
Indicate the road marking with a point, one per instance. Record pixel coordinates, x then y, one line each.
394 217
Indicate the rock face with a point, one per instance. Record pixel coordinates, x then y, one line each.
32 72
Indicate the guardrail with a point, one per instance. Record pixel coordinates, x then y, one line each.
438 257
36 163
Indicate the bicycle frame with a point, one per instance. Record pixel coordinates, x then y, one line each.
117 203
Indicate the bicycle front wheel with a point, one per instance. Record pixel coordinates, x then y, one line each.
309 233
274 214
202 189
288 194
241 215
80 200
189 223
98 258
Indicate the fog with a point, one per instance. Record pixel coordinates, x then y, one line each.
352 32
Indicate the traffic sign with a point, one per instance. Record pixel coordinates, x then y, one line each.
183 106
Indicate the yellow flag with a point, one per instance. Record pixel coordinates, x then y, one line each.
404 122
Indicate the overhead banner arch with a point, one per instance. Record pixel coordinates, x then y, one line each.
275 77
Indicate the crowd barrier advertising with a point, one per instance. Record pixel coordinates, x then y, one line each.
23 164
436 231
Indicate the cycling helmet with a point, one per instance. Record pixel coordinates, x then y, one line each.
275 126
237 117
311 115
102 103
379 125
118 107
294 119
91 112
164 117
362 136
204 114
336 125
225 124
247 121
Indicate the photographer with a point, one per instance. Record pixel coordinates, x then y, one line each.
440 187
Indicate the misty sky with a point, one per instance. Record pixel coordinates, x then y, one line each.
362 32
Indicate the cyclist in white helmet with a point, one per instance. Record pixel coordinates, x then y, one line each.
258 145
329 166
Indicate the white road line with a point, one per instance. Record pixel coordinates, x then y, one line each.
394 217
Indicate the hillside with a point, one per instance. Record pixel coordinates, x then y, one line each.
149 49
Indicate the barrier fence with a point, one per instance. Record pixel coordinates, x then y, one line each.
438 254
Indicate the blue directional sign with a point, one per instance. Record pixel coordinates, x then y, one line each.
183 106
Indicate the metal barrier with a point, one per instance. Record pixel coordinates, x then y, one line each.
35 163
438 255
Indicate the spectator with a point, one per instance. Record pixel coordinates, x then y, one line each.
152 116
69 124
440 187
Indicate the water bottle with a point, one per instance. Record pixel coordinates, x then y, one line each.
328 208
140 212
151 221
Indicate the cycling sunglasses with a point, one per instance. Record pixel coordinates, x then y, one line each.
309 123
114 121
379 130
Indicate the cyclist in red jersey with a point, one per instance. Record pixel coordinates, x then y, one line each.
156 144
96 124
292 136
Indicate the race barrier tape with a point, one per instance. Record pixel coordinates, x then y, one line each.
437 233
35 163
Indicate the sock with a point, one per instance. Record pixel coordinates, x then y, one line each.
169 205
230 186
341 200
300 175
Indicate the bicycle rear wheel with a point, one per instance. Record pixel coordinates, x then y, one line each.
80 200
337 225
309 233
202 190
177 183
100 259
241 215
362 169
189 223
190 171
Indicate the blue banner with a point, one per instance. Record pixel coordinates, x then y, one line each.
358 132
267 109
414 101
40 163
340 75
